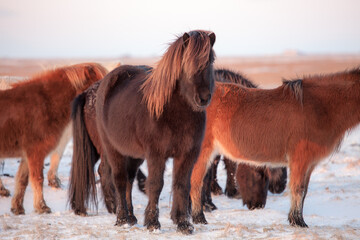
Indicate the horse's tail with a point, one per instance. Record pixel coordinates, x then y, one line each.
82 178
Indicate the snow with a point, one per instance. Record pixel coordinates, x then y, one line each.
331 208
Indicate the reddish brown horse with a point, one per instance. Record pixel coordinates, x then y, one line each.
296 124
33 116
155 115
251 183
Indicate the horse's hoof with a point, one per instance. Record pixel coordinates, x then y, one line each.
55 182
231 192
121 221
199 218
80 213
132 220
154 225
18 211
252 206
4 192
297 220
43 209
185 228
209 206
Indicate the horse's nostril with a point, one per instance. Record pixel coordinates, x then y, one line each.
204 99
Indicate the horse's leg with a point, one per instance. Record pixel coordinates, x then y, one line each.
3 191
197 178
53 179
154 185
215 187
132 168
141 179
300 172
231 187
206 198
182 170
21 182
119 178
107 185
277 179
35 162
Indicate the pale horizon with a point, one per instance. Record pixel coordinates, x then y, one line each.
110 29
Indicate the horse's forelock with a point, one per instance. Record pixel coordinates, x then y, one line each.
197 53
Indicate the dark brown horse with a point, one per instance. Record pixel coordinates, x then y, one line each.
295 125
33 116
86 134
255 182
156 115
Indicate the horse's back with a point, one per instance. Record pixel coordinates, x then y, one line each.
252 124
119 108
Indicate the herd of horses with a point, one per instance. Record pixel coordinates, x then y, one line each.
182 109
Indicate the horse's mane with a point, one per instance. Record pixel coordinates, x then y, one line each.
343 78
76 74
295 87
224 75
180 58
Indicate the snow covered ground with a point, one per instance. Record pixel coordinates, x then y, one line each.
332 208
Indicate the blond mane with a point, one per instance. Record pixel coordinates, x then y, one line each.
77 73
180 58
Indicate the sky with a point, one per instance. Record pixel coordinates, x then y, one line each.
116 28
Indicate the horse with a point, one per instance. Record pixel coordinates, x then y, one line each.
55 155
85 132
273 179
168 121
251 185
296 125
34 114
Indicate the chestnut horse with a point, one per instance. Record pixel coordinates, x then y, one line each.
34 114
251 183
295 125
55 155
155 115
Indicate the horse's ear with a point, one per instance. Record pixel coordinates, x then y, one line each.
212 38
185 39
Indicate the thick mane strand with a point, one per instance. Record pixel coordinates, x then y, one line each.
77 73
180 58
224 75
295 86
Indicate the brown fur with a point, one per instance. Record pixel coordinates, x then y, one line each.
33 116
160 83
274 127
130 130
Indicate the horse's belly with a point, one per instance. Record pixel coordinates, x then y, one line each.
251 156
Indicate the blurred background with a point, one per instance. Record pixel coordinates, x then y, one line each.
266 40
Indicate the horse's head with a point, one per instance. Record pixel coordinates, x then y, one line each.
197 76
253 185
188 65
